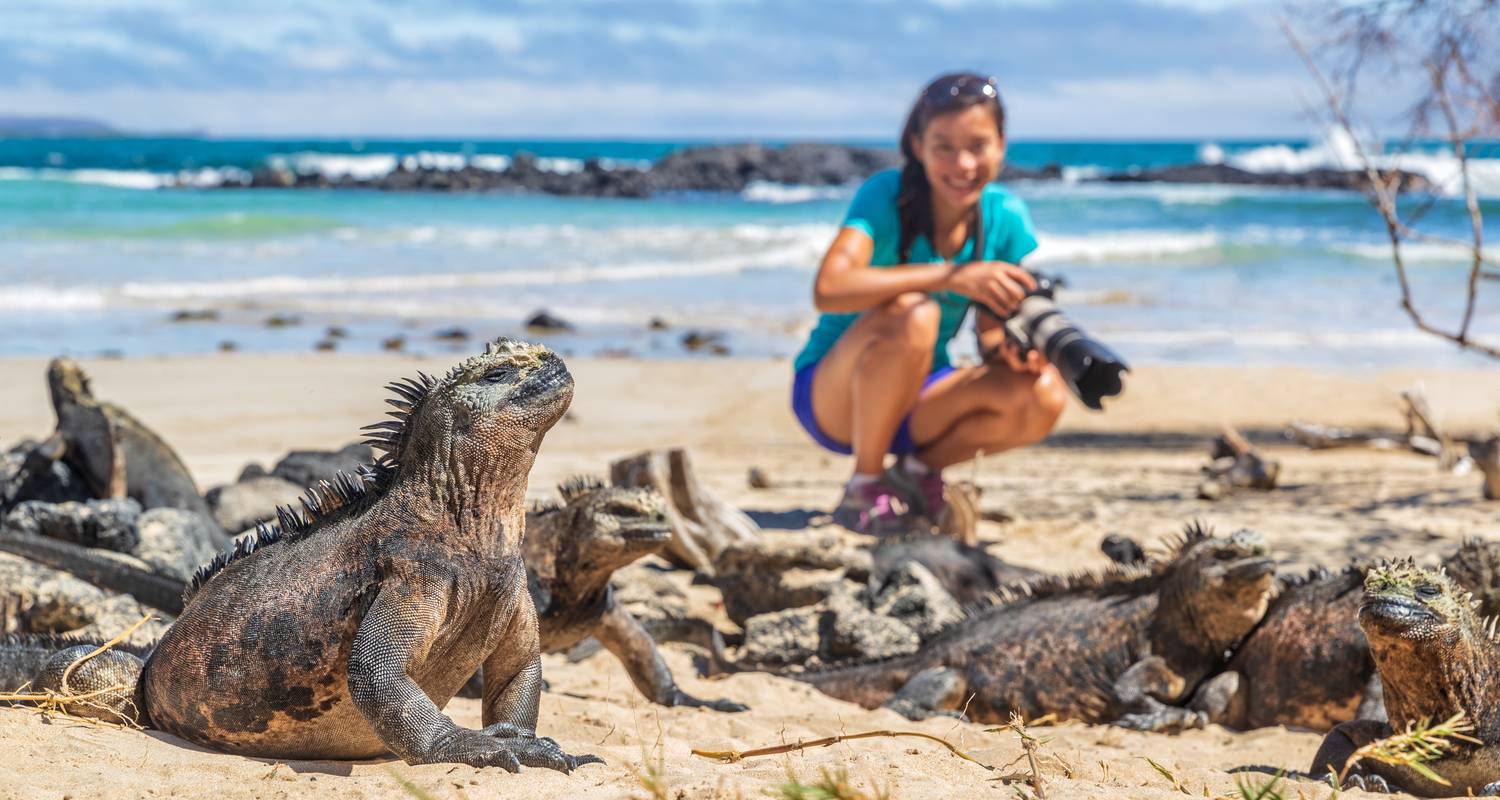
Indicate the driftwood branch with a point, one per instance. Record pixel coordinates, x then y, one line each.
1234 463
1456 96
703 524
732 756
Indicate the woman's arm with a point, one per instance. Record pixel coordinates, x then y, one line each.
847 283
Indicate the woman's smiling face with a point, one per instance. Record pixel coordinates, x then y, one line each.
961 152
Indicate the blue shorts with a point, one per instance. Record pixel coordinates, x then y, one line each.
802 386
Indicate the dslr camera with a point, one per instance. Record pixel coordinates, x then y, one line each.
1091 370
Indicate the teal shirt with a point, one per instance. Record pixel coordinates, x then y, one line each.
1008 237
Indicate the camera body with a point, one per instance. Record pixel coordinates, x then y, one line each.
1091 370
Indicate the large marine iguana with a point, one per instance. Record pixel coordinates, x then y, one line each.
342 631
1307 664
1126 644
572 550
1435 656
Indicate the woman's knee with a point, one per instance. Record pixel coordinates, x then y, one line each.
1048 398
913 314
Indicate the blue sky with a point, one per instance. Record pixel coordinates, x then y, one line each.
650 68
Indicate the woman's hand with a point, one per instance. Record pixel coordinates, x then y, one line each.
1030 364
998 285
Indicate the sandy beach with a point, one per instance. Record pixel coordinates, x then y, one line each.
1131 470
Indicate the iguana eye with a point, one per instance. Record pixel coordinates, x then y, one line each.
1428 592
498 374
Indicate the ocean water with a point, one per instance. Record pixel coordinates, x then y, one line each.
103 241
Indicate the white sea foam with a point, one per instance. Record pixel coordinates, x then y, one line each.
1116 245
34 297
781 193
335 165
1338 150
118 178
493 163
561 166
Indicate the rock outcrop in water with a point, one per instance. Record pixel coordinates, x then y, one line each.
734 167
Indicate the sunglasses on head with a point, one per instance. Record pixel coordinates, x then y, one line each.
950 88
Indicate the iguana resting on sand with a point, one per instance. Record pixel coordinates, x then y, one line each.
572 550
1435 657
341 632
1307 664
1126 644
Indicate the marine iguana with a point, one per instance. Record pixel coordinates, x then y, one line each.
1435 656
1307 664
341 632
1126 644
572 550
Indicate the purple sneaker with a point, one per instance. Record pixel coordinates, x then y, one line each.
873 508
923 494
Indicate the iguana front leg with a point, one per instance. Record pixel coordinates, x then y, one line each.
395 634
1138 691
1473 773
933 692
622 635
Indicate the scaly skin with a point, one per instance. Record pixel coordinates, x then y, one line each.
1307 664
343 632
571 553
343 637
1123 648
1435 657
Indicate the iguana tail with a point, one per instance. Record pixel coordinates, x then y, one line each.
151 589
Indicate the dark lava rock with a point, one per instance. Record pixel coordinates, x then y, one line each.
200 315
177 542
227 346
283 321
325 345
1355 180
699 340
839 628
336 332
730 168
1122 549
306 467
657 324
964 571
451 335
250 472
393 343
544 321
238 506
33 471
914 597
110 524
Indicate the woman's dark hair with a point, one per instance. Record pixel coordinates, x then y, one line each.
944 95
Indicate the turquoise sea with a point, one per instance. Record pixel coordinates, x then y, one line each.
103 240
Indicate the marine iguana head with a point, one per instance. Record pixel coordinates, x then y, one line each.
1408 606
487 414
596 530
1434 654
1218 587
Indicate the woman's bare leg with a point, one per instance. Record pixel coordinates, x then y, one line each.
988 408
868 382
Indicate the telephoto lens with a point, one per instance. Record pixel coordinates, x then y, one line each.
1090 368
